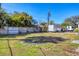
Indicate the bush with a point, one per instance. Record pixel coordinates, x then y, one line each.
44 28
76 30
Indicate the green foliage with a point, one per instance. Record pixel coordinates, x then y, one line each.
63 25
51 22
76 30
71 21
43 23
21 19
44 26
4 18
16 19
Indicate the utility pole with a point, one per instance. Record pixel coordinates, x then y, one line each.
0 5
0 14
49 17
0 8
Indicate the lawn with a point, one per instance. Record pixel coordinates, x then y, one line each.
39 44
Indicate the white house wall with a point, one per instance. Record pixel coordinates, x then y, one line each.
69 28
51 28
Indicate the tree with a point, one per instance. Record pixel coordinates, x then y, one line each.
43 23
51 22
72 21
22 19
4 18
16 19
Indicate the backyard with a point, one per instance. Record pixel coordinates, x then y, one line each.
39 44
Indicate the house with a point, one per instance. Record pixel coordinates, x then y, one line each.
69 28
54 28
51 28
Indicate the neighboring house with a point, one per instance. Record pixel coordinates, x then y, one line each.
58 28
51 28
54 28
69 28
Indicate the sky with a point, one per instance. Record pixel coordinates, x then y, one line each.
39 11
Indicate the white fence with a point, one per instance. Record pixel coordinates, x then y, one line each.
3 31
18 30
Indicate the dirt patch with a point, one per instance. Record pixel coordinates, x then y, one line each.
43 39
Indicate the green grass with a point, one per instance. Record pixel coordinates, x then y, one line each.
4 52
21 48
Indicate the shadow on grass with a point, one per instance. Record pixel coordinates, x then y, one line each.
43 39
12 35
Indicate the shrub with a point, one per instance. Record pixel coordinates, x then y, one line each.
76 30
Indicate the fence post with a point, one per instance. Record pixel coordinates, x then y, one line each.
9 47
